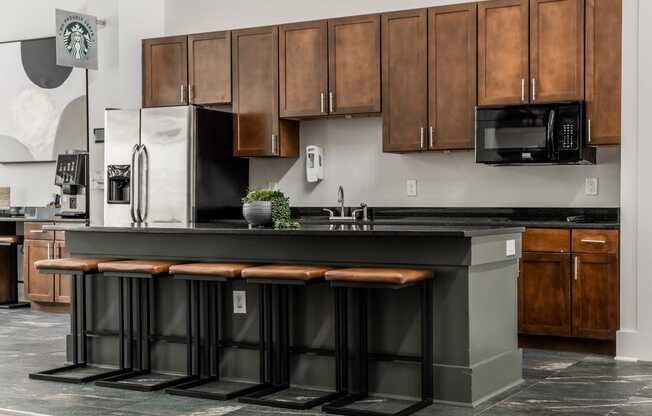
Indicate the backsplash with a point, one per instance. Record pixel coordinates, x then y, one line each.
354 159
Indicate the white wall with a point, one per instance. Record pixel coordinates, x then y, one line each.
635 337
115 84
354 156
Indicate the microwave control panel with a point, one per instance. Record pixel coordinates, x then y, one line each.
568 135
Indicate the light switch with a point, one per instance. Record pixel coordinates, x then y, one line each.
411 187
239 302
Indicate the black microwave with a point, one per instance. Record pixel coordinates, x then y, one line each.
532 134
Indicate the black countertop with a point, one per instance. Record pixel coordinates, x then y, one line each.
307 228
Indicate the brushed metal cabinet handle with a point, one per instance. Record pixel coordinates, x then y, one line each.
431 137
523 89
331 105
591 241
589 127
49 252
534 89
183 93
422 132
577 266
274 144
321 103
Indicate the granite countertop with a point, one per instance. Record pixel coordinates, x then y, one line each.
241 228
41 220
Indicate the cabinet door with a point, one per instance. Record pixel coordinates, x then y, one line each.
603 70
595 296
38 287
405 83
61 281
452 49
303 68
165 71
209 68
544 290
556 50
354 64
503 52
258 130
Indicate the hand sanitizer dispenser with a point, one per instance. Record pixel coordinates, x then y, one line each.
314 163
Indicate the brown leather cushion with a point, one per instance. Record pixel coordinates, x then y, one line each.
152 267
11 239
227 270
379 276
288 272
78 264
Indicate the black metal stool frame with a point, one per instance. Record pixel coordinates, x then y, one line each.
360 292
13 302
281 349
78 311
213 334
126 381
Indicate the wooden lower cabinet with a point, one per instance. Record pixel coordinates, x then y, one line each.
544 294
40 287
573 294
595 296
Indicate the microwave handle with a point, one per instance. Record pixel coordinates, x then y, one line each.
550 135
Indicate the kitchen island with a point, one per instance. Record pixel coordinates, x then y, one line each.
475 324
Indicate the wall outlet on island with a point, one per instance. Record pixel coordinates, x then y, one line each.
239 302
591 186
411 187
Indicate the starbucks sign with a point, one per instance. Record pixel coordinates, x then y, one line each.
76 40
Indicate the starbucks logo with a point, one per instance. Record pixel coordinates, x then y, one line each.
76 40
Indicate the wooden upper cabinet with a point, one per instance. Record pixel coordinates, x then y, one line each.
258 130
165 71
303 69
595 296
556 50
544 294
354 65
452 51
405 83
503 52
603 70
209 68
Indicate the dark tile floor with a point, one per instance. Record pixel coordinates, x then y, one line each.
556 384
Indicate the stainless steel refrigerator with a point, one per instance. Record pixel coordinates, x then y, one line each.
171 164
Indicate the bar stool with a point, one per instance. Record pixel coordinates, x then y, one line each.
79 371
210 278
278 279
359 281
142 274
10 243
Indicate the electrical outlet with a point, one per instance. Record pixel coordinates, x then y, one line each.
591 186
239 302
510 248
411 187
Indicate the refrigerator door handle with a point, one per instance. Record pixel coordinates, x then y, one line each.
145 183
134 180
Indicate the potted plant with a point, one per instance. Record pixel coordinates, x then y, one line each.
266 206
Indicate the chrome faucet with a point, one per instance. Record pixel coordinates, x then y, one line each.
340 199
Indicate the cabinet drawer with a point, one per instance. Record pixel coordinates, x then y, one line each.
595 241
547 240
60 235
34 231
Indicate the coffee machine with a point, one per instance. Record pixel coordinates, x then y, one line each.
72 178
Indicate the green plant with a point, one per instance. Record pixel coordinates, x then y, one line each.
281 215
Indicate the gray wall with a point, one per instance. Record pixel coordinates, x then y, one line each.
353 147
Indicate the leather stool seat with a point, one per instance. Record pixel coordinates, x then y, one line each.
151 267
224 270
73 263
11 239
379 276
286 272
